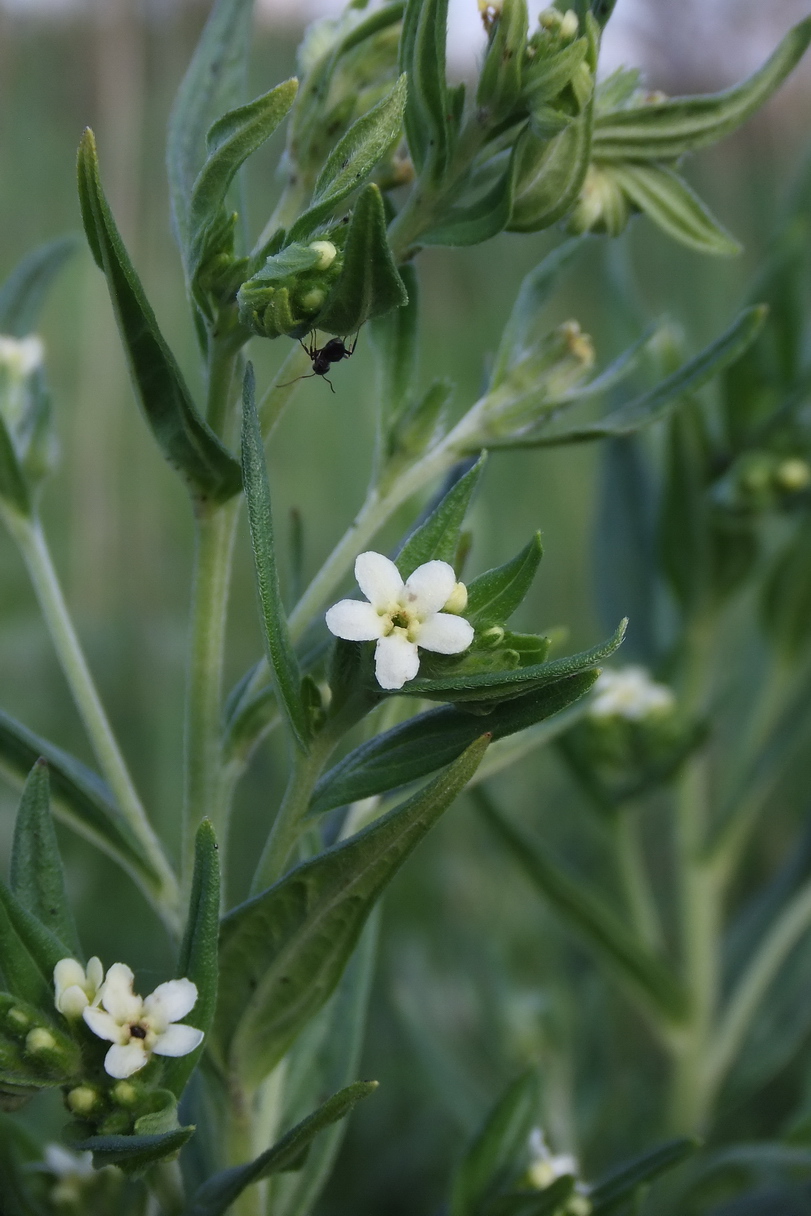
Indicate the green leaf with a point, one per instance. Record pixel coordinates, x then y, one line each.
551 1201
133 1154
29 951
523 329
23 293
81 798
37 877
666 199
369 284
422 56
13 483
230 141
500 79
477 221
644 975
283 952
214 83
438 537
549 174
353 159
395 340
785 608
185 439
198 957
607 1195
215 1196
498 1149
685 530
425 743
280 652
667 129
494 596
659 401
504 685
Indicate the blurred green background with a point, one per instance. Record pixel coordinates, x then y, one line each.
466 990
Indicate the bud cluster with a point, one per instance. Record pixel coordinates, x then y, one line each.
291 289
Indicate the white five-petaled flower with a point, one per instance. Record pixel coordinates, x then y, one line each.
20 356
74 987
403 616
545 1167
629 692
137 1027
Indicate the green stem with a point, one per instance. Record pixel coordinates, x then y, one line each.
753 985
216 528
34 548
290 205
283 387
634 879
221 362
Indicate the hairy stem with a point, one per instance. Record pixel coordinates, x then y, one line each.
34 548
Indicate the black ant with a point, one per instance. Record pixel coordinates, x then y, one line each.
323 356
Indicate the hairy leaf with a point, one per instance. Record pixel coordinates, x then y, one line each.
133 1154
437 538
497 1151
666 199
37 877
621 1184
495 595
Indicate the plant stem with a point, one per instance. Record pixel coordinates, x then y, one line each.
216 528
282 388
634 877
221 361
34 548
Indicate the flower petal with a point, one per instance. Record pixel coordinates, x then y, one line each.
429 588
105 1025
178 1041
72 1001
378 578
122 1062
95 974
68 972
445 634
354 621
117 996
170 1002
396 660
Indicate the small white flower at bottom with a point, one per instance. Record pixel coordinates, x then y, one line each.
138 1028
545 1167
74 987
20 356
402 617
629 692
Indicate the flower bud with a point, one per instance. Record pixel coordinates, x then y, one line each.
39 1039
287 294
601 207
492 637
457 601
82 1100
550 19
569 25
125 1093
326 251
793 475
17 1018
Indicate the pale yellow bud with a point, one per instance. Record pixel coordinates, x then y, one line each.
125 1093
457 601
39 1039
18 1017
327 253
794 474
82 1099
550 19
569 25
313 299
492 637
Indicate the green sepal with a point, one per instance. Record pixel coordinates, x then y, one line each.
80 798
369 284
499 88
438 537
496 1154
283 952
24 291
474 222
665 130
25 1071
427 742
621 1185
353 159
37 877
785 606
549 174
185 439
649 980
667 200
659 401
495 686
494 596
418 424
132 1154
213 84
198 956
230 141
428 119
216 1195
13 483
279 647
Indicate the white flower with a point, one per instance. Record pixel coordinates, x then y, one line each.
20 356
629 693
76 988
137 1027
402 616
71 1171
544 1166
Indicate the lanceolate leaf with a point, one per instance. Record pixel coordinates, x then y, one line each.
667 129
643 974
280 652
13 486
353 159
369 284
24 291
503 685
472 223
215 1196
657 403
80 797
37 878
666 199
494 596
395 340
498 1149
42 946
422 57
438 537
185 439
214 83
197 960
283 952
549 175
613 1192
133 1154
425 743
